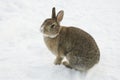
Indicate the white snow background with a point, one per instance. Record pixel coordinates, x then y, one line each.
23 54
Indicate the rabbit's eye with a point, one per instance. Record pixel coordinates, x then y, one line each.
53 26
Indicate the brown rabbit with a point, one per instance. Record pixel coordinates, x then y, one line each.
79 48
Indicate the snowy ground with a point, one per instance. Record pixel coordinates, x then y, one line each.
23 54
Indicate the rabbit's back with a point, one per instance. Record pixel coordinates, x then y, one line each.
75 38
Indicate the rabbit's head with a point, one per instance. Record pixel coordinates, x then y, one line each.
51 26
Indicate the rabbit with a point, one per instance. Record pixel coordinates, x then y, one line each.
76 45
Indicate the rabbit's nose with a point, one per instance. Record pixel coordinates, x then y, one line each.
42 29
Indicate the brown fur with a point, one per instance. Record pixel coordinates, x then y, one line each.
76 45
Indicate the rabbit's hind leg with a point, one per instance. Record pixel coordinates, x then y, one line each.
75 61
66 64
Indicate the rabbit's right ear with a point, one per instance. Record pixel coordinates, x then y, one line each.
60 15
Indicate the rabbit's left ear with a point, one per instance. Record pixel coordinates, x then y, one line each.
60 15
53 13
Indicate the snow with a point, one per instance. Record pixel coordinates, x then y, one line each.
23 54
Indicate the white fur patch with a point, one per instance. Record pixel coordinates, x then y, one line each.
50 36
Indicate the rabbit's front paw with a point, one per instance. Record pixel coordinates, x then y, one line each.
58 61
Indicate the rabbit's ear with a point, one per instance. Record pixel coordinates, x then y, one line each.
53 13
60 15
